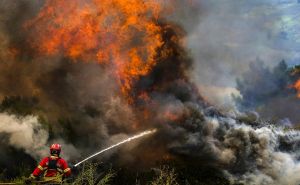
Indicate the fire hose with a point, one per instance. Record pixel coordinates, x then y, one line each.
87 158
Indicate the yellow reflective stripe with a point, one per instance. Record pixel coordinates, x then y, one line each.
66 170
53 157
40 167
60 170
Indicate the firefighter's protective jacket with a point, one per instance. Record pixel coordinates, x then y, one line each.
51 167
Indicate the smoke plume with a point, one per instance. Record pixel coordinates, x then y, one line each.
270 92
25 133
226 36
95 71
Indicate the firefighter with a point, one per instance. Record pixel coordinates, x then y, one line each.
53 168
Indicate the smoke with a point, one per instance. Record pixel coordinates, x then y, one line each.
226 38
253 154
269 91
25 133
86 104
72 99
79 103
228 35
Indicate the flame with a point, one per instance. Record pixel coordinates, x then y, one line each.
170 116
297 87
121 34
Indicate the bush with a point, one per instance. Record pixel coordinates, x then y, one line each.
90 176
166 176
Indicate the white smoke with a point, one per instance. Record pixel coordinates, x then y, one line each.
25 133
28 134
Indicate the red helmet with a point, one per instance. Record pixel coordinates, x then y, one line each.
55 149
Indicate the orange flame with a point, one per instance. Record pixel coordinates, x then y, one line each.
297 87
122 34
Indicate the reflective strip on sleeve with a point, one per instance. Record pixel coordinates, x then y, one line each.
40 167
66 170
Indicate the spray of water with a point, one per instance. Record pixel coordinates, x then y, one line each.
118 144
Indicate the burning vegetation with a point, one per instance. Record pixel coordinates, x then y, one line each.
88 73
297 87
122 34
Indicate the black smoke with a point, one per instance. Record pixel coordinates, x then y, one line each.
79 104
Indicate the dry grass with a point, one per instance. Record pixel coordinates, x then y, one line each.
166 176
